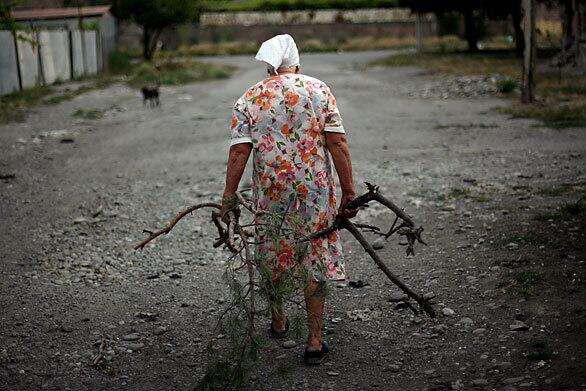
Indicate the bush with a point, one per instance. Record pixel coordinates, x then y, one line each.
506 85
119 62
177 72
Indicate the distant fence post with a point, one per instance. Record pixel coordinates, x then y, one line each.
528 92
418 28
18 70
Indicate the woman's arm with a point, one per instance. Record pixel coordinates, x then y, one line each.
337 144
237 159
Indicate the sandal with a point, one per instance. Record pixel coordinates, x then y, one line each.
279 334
316 358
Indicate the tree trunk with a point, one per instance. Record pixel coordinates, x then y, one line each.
519 37
471 31
147 37
573 51
528 92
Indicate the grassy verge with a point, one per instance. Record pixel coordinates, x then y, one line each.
444 43
171 72
561 97
14 107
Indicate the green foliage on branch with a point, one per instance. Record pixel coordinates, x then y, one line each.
289 5
156 13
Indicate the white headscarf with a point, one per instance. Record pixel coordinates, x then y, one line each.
279 51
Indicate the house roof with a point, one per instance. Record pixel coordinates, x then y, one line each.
59 13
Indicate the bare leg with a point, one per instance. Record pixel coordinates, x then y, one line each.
314 302
279 319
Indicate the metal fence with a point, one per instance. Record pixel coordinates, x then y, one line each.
29 59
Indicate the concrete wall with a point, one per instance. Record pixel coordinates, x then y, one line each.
77 53
8 65
28 59
90 52
107 31
47 56
55 59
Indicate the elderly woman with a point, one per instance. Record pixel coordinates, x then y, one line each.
293 127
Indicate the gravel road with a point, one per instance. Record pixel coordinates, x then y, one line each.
75 195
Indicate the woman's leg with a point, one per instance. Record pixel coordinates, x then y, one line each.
314 302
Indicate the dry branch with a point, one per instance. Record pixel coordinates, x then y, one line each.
169 227
406 227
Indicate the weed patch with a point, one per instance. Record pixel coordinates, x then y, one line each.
512 263
561 97
567 211
523 282
466 126
88 114
177 72
538 351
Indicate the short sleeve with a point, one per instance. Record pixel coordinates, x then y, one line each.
333 119
240 124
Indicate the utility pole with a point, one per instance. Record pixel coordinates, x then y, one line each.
528 92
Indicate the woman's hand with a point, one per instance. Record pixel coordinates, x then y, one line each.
229 203
342 210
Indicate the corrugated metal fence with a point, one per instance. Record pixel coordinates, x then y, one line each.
29 59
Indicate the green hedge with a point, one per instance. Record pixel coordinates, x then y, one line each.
288 5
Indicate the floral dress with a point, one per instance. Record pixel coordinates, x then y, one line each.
285 117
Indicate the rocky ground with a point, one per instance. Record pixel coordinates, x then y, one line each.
506 267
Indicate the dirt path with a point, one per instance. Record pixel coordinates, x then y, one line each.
478 182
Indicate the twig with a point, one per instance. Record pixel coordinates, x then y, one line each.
101 353
425 305
173 222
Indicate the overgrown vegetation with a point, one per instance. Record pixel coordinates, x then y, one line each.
567 211
313 45
177 72
538 351
287 5
466 126
13 107
88 114
512 263
523 282
561 97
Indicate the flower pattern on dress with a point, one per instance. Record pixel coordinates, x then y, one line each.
285 117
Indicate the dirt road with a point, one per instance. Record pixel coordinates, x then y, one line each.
508 279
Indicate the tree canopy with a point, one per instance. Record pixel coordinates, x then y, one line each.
154 16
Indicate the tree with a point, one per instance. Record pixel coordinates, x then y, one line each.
154 16
573 49
474 11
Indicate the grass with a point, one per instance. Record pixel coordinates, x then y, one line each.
562 189
88 114
512 263
313 46
539 351
523 282
561 97
177 72
14 107
466 126
95 83
567 211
